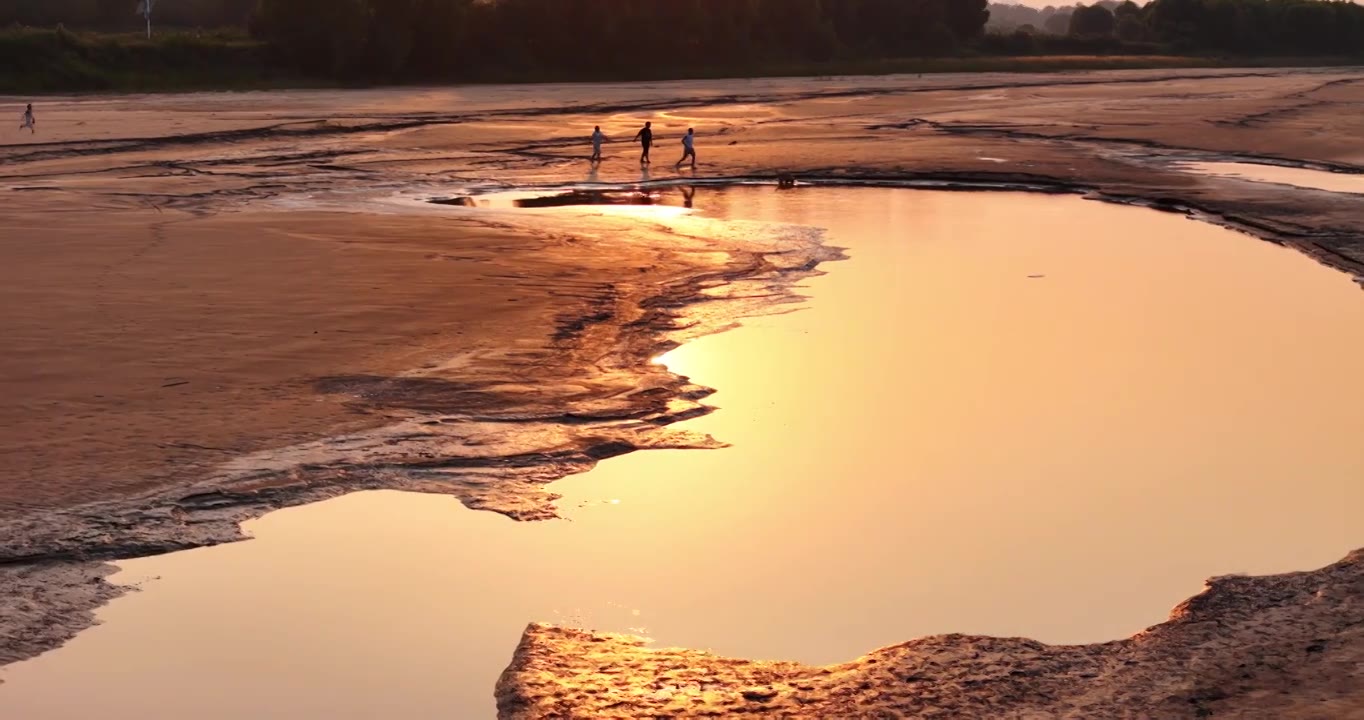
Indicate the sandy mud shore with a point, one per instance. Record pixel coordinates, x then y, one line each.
228 303
1262 647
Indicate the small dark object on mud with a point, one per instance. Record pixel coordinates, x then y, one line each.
786 180
591 197
760 695
459 201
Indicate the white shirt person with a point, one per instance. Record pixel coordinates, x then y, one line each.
597 139
688 147
29 122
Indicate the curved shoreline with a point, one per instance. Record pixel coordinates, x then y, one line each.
658 318
509 481
1318 244
454 433
54 560
1282 646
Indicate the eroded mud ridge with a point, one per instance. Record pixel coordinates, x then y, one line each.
495 422
490 428
1276 646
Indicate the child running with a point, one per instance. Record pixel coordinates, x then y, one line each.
597 139
688 148
29 123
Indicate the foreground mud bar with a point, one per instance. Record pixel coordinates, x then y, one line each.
1283 646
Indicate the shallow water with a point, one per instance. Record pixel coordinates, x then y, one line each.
1005 414
1296 177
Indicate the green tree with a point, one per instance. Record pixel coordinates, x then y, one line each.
1057 24
1094 20
322 36
966 18
1130 28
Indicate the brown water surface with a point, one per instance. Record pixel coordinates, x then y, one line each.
1005 414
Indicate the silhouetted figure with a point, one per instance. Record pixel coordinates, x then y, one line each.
688 147
29 122
645 136
597 139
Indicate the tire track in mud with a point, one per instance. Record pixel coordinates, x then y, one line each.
1279 113
157 233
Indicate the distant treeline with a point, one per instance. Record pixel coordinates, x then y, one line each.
1008 17
122 14
67 44
638 39
1243 27
432 39
48 60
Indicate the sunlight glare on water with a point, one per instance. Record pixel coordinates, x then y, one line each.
1005 414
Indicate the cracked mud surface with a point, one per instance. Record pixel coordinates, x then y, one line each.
1252 647
160 397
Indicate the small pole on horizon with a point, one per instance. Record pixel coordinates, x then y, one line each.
145 7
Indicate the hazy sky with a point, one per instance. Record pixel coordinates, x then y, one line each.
1056 3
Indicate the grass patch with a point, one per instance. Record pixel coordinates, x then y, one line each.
38 61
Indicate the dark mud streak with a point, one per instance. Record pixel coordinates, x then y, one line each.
1013 133
1249 120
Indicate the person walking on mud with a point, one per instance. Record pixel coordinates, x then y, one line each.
645 136
28 122
688 148
597 139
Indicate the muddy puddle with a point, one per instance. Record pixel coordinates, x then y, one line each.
675 194
1005 414
572 198
1278 175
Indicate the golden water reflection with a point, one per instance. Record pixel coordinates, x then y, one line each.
1006 414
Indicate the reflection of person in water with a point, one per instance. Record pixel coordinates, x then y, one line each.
645 136
688 194
688 147
597 139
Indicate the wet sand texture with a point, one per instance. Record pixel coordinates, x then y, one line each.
1286 646
196 283
177 306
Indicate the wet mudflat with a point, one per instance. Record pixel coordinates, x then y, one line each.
1277 175
994 418
132 218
